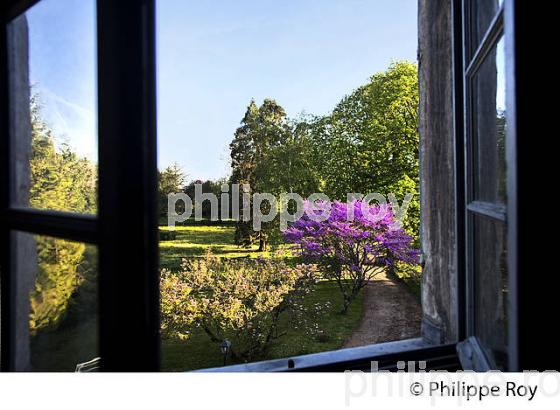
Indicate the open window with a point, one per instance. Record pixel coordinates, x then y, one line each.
486 189
470 123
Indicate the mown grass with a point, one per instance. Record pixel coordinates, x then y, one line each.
196 240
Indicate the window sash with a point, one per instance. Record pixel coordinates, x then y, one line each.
474 55
128 286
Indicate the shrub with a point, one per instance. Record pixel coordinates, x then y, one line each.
351 250
239 300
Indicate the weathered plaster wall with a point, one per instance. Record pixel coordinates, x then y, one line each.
437 188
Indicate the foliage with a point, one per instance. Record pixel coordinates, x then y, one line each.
369 143
212 187
263 129
170 181
57 280
271 154
410 275
328 331
355 248
239 300
62 181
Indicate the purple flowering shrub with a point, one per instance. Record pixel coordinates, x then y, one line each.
352 243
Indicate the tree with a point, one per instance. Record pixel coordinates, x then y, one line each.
212 187
289 165
369 143
351 250
170 181
262 132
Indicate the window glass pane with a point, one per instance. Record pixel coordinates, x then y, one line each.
483 12
53 95
491 280
489 127
57 287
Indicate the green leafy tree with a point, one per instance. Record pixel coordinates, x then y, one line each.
369 143
262 132
289 165
170 181
212 187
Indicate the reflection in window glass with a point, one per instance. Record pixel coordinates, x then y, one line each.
483 12
62 170
491 278
489 124
61 281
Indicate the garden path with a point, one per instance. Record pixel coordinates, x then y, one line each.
391 312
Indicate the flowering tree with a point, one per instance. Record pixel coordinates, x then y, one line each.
239 300
351 242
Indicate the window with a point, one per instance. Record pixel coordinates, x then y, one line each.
486 180
487 79
124 295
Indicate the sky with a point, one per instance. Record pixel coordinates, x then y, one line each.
213 57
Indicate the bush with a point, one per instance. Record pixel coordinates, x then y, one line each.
238 300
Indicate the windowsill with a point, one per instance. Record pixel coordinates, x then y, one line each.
314 361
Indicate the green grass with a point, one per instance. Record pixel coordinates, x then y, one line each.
196 240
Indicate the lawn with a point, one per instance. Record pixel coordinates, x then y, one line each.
75 341
196 240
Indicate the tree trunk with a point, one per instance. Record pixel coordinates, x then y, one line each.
262 244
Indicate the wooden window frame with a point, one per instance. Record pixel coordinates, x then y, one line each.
129 286
528 348
473 56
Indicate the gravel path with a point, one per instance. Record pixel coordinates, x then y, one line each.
390 313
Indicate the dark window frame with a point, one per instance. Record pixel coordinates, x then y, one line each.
529 346
129 297
129 291
474 55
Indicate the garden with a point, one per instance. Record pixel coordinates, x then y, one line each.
303 296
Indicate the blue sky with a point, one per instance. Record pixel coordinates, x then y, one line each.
63 69
213 57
